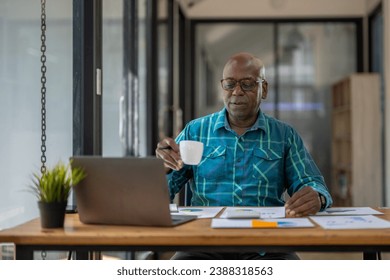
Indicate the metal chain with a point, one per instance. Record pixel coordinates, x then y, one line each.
43 86
43 94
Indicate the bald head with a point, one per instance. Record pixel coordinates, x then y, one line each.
245 60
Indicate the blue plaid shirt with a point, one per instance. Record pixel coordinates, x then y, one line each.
253 169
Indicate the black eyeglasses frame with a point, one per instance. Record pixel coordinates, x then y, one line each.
257 81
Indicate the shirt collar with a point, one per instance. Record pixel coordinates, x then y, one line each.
222 121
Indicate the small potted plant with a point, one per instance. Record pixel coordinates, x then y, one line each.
52 188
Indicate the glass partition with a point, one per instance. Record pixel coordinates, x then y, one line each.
124 78
312 57
214 44
302 61
113 80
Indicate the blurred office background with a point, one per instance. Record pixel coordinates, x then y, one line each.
161 62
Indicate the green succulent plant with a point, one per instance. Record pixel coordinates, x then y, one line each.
55 184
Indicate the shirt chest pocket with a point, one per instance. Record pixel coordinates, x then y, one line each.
268 164
213 164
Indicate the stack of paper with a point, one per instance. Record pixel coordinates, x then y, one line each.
258 217
274 217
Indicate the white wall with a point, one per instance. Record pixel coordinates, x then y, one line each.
371 5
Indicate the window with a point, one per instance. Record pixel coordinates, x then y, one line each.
20 106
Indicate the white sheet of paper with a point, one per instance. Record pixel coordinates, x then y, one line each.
264 212
200 212
350 222
173 207
349 211
247 223
241 213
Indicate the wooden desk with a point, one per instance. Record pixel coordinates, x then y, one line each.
195 235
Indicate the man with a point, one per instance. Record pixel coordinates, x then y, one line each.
249 158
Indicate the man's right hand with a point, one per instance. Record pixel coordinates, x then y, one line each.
169 151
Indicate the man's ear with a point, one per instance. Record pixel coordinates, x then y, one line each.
264 85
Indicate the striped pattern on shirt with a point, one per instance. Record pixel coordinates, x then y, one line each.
253 169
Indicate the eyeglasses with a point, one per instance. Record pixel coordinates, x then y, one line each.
245 84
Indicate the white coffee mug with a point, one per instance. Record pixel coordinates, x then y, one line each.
191 151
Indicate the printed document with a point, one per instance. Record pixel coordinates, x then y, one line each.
350 222
254 212
349 211
267 223
200 212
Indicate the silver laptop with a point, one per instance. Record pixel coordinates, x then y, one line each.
124 191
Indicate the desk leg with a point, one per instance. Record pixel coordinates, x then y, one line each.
81 255
370 255
24 253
